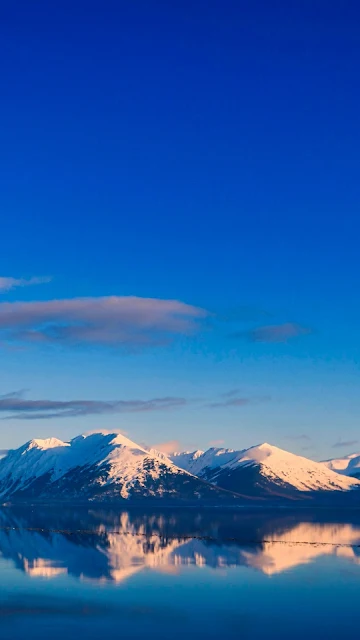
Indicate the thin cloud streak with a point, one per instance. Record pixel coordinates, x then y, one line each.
233 402
20 408
237 402
8 283
131 321
245 314
231 393
344 443
276 333
17 407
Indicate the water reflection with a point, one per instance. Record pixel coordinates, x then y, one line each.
107 546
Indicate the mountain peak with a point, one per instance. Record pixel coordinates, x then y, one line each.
266 446
114 437
47 443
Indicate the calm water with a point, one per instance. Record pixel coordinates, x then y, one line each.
178 574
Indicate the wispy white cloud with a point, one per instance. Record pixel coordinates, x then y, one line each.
129 321
8 283
216 443
170 446
106 432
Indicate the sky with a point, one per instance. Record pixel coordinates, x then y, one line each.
179 201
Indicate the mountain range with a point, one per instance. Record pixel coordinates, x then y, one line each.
263 470
103 466
98 467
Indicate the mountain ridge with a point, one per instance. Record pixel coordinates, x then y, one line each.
97 466
107 466
268 467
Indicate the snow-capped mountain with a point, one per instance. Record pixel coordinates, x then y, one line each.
108 466
347 465
99 466
263 470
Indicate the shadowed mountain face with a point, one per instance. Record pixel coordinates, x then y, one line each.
106 546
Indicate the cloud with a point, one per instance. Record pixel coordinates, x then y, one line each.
216 443
128 321
7 283
245 314
301 436
170 446
236 402
231 402
19 408
106 432
274 333
231 393
344 443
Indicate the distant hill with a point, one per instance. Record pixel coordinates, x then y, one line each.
347 465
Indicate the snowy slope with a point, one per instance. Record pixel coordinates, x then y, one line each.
99 466
262 469
347 465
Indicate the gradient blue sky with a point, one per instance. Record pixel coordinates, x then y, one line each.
199 151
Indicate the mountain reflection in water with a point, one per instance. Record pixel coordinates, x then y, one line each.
108 546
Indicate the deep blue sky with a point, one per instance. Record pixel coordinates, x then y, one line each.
201 151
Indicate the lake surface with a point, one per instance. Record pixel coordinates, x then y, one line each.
173 573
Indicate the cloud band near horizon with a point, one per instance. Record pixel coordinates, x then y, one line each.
19 408
128 321
340 444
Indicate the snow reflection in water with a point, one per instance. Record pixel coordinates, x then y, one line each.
104 546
